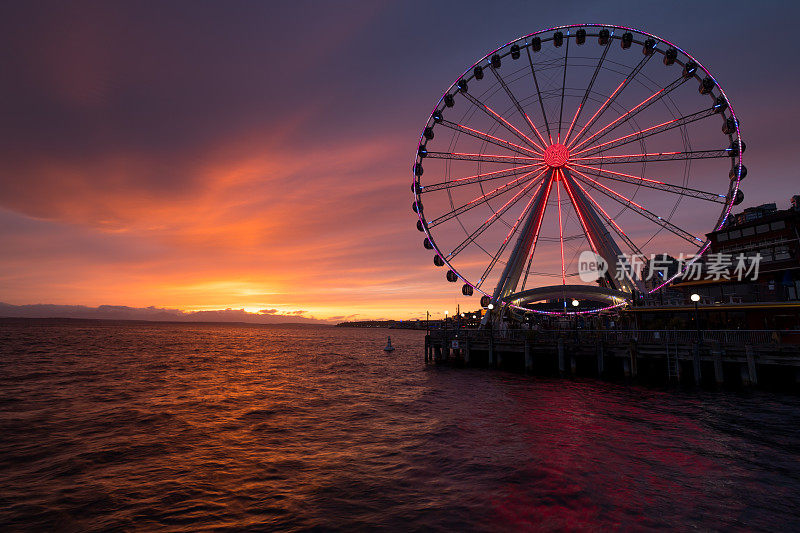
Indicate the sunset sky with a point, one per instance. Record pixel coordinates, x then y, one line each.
256 155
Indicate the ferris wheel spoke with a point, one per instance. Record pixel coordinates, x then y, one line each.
610 221
537 230
561 234
650 158
652 184
494 115
518 106
479 178
631 113
588 90
646 213
539 93
497 141
563 89
586 231
527 271
486 158
647 132
494 217
511 233
605 247
481 199
610 100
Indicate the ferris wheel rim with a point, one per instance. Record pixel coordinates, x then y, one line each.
467 76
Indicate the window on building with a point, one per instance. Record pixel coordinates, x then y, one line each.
735 234
722 237
782 253
742 289
762 228
766 254
780 224
728 289
746 232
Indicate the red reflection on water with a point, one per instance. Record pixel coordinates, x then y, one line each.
589 468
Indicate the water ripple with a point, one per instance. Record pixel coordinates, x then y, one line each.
185 427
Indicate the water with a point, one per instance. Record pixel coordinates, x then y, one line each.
227 427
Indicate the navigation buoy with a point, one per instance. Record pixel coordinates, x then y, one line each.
389 347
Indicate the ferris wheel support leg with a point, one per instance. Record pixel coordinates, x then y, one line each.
526 242
600 237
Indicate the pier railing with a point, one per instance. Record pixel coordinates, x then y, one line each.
740 337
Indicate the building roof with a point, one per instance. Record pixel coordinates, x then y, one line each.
760 215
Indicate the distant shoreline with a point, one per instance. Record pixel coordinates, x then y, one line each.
389 324
112 321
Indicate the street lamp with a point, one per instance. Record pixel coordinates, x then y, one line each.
490 307
696 298
575 304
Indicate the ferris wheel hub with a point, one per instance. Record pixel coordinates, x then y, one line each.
556 155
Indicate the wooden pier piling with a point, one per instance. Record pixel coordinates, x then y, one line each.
528 356
428 348
600 359
716 355
696 362
744 376
751 364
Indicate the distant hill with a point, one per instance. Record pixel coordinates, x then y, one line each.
396 324
151 314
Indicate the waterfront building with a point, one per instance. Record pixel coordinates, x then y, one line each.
770 301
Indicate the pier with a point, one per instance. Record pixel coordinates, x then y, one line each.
714 358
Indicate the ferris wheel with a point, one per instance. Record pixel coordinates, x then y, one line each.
577 139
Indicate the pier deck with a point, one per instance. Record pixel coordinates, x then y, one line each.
730 357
